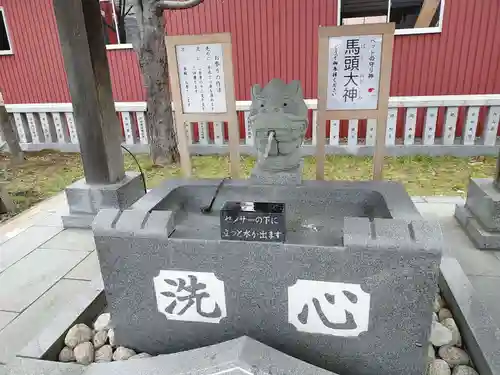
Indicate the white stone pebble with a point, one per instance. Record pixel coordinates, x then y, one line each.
100 338
440 335
453 356
444 314
84 353
66 355
438 303
111 337
104 354
122 354
438 367
77 334
103 322
431 354
452 326
464 370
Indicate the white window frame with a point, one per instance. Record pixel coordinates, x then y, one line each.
11 50
413 31
115 20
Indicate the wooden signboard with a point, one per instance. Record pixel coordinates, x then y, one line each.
202 82
354 73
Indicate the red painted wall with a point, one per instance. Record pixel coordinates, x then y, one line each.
271 38
35 72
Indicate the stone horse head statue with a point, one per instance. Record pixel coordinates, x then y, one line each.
278 119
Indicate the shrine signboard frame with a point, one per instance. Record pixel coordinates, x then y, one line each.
222 40
386 32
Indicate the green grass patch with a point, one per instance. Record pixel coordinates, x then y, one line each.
46 173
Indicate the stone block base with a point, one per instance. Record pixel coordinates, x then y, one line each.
481 237
291 177
480 216
483 201
85 200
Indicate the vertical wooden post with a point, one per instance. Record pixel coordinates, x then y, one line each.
383 105
232 125
9 135
97 125
497 172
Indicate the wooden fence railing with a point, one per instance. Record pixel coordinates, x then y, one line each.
433 125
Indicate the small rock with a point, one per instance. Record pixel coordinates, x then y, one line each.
431 354
452 326
84 353
140 355
438 303
102 322
111 337
453 356
440 335
464 370
444 313
66 355
122 354
77 334
100 339
438 367
104 354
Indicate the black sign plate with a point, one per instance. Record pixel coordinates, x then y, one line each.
253 221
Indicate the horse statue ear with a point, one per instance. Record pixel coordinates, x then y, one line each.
294 89
256 90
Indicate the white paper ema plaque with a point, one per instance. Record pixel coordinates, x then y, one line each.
190 296
201 78
353 72
328 308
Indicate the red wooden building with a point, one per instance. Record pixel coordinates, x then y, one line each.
458 54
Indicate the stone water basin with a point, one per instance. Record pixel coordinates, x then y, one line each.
359 249
315 210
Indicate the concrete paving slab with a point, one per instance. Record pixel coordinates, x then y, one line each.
473 261
27 218
27 366
6 317
436 210
34 319
417 199
24 243
32 276
445 199
87 269
488 288
49 220
72 239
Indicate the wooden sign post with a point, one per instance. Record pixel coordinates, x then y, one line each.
202 82
354 73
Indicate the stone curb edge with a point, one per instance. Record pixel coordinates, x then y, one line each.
49 342
480 333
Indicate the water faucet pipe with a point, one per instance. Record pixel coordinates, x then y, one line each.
271 135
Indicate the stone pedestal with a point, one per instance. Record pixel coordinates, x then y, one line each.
85 200
291 177
480 216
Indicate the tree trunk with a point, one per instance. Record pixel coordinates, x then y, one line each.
154 66
7 131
